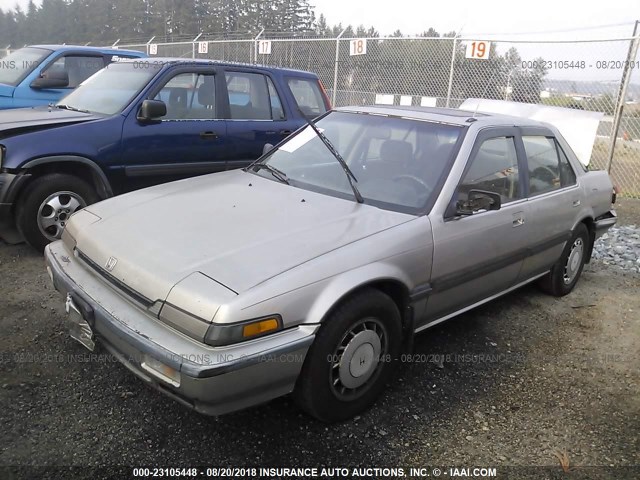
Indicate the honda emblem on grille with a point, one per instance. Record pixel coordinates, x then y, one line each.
111 264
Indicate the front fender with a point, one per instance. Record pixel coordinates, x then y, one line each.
340 286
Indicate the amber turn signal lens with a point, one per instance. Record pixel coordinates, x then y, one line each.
260 327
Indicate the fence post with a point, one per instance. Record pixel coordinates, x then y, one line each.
335 69
193 50
622 93
255 47
453 59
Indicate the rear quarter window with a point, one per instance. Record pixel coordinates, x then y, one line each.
308 96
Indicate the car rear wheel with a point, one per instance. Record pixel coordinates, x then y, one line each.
565 273
47 203
352 358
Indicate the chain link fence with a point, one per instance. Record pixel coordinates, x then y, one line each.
438 71
600 75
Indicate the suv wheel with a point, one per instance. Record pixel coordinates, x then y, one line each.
565 273
46 204
351 359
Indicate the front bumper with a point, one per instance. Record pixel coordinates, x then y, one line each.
10 185
212 380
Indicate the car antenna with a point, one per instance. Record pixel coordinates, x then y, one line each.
484 92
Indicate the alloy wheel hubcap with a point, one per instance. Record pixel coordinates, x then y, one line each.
55 211
356 361
573 261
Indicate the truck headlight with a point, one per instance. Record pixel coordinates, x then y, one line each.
226 334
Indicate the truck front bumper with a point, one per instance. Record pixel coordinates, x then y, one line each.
211 380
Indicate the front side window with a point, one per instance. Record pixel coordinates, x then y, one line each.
17 65
111 89
189 96
493 168
398 163
78 68
308 96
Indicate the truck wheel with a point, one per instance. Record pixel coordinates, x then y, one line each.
351 359
565 273
46 204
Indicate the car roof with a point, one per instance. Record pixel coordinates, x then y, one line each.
64 48
207 61
444 115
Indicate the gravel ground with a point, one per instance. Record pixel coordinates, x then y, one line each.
517 382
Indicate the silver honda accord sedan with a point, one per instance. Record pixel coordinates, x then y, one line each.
311 270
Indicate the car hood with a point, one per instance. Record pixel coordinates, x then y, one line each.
234 227
29 119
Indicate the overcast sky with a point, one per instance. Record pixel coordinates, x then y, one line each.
473 16
498 19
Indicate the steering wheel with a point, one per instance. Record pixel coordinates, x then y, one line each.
414 179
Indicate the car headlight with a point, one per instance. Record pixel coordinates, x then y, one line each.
227 334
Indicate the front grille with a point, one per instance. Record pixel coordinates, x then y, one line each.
129 292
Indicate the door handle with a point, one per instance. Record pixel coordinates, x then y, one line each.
208 135
285 132
518 219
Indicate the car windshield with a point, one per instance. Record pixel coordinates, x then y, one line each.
111 89
398 162
17 65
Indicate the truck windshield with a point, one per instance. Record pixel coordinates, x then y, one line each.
111 89
17 65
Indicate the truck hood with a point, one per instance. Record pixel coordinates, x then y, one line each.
234 227
6 90
21 120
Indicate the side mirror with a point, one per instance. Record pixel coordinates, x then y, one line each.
51 79
478 200
267 148
151 110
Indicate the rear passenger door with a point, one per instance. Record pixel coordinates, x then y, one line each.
480 255
255 114
189 140
554 199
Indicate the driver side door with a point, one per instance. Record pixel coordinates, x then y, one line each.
479 255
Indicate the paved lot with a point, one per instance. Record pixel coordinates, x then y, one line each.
515 382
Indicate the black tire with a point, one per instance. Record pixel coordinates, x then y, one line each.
566 271
32 208
367 313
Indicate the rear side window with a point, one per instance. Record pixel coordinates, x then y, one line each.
249 96
549 168
308 96
494 168
567 175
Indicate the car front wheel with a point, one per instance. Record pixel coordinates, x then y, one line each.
565 273
352 358
47 203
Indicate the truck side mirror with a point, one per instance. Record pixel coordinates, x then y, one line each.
51 79
152 110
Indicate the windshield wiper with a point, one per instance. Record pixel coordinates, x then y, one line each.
279 175
350 176
69 107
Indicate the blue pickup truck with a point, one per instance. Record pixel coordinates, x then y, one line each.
42 74
138 123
